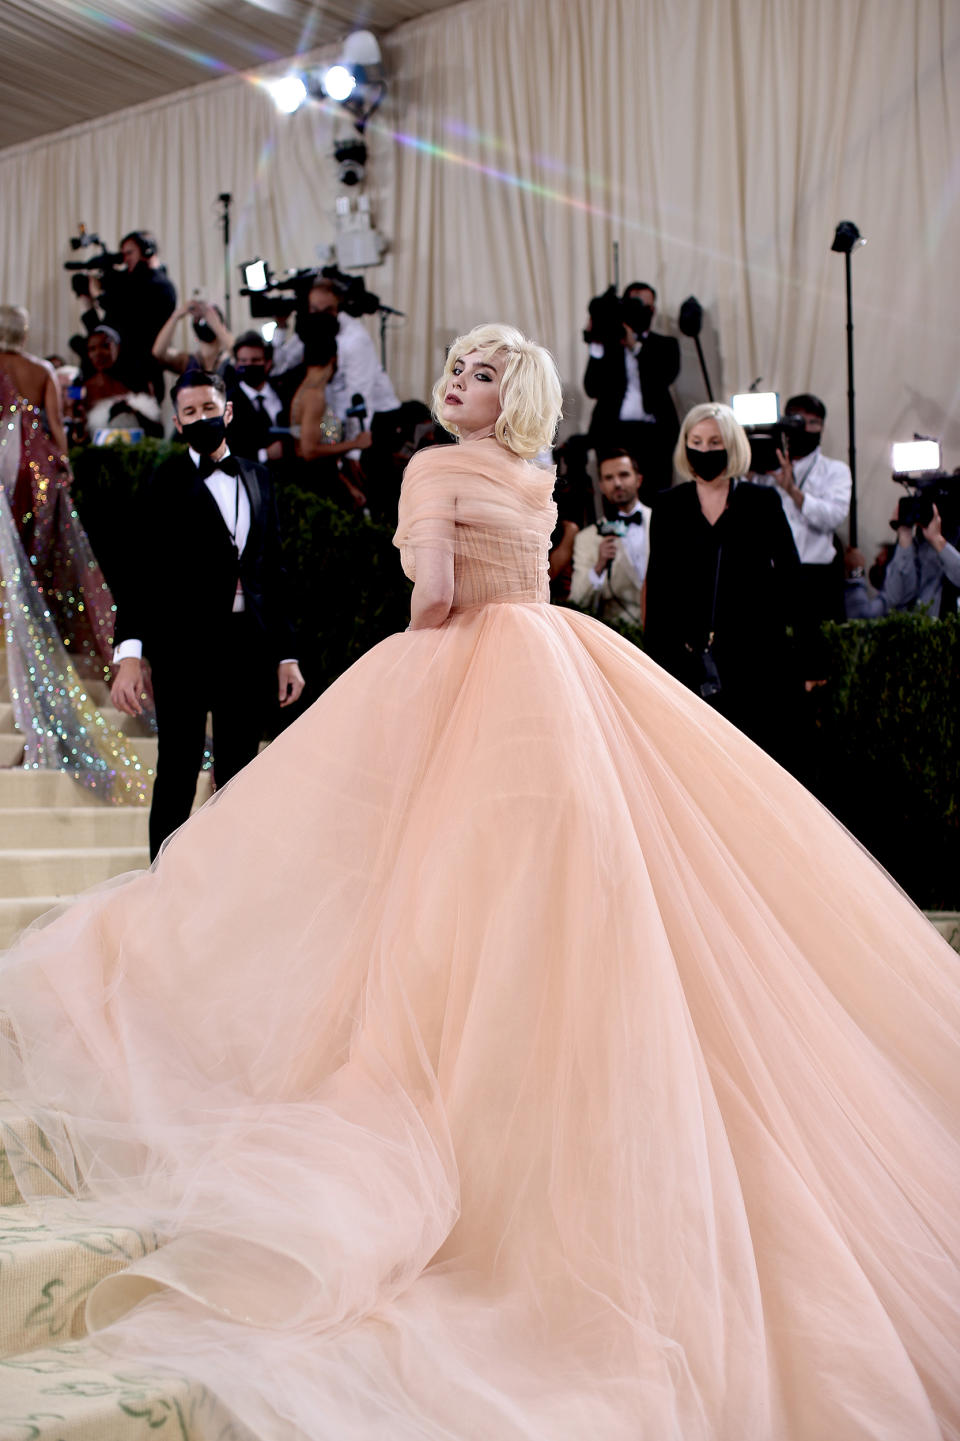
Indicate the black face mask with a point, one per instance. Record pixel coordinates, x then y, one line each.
707 464
254 375
205 436
802 442
203 332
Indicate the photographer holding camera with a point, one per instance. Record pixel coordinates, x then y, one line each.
610 558
131 293
815 492
924 570
722 584
629 375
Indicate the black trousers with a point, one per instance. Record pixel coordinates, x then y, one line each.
232 678
820 598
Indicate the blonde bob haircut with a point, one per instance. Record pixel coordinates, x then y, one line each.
531 400
734 439
13 327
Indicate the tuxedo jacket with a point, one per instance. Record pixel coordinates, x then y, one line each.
622 595
248 431
177 597
605 382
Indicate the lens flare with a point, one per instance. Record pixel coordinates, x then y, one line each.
288 93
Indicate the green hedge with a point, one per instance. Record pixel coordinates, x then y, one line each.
881 743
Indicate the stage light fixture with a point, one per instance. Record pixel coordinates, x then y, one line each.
339 83
356 80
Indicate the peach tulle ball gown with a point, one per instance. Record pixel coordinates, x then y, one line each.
512 1052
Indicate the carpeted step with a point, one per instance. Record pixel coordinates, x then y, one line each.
11 749
49 872
71 1392
48 1269
66 827
16 912
40 788
24 1144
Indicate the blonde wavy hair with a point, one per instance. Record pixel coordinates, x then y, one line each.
14 321
734 439
531 400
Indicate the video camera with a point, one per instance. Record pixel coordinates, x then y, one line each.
609 314
106 260
265 290
916 466
767 430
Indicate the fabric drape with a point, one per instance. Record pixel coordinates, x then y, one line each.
719 142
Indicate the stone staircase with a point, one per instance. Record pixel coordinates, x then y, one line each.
54 1384
56 837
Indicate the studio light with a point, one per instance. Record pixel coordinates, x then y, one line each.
756 407
913 457
268 330
254 274
288 93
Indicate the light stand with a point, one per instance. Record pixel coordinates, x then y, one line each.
224 219
385 310
845 241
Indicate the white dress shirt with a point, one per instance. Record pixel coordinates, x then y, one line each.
359 372
230 493
826 487
631 407
636 543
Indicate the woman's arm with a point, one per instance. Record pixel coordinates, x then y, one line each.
433 588
220 330
163 350
52 410
312 445
562 553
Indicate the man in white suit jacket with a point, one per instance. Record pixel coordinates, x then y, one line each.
609 571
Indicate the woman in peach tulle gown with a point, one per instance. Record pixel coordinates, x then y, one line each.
513 1050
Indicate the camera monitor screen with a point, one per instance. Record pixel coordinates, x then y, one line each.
913 455
757 408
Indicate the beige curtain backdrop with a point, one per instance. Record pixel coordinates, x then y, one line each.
719 141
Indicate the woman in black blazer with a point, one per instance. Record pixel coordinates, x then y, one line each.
722 583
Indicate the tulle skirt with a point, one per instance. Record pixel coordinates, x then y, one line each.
513 1050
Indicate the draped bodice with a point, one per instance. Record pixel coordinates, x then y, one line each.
493 512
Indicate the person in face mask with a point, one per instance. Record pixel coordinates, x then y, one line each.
206 605
213 341
722 583
257 408
815 492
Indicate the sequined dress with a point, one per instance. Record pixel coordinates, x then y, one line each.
57 613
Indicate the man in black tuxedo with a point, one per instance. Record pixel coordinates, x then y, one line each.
256 406
205 606
629 375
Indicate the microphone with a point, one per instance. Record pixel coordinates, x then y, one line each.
358 410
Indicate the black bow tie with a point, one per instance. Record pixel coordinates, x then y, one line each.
635 519
206 466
